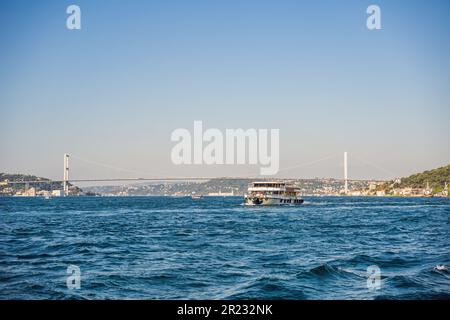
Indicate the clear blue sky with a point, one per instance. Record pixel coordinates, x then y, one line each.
115 90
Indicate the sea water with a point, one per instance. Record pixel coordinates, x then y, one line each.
217 248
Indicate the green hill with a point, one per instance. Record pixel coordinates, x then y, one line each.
436 179
42 184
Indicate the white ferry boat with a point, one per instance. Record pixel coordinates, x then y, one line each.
272 193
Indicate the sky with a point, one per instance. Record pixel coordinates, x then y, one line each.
112 93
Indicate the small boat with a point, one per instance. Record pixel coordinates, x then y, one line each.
272 193
196 196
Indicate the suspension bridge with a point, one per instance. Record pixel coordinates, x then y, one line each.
67 180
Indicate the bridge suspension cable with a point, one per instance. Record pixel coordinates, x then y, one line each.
168 178
109 166
374 165
310 163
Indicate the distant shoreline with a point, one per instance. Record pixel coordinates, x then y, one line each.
208 196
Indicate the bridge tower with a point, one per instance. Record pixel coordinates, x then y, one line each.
66 175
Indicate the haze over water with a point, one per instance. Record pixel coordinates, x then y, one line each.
216 248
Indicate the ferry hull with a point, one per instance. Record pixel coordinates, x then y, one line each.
272 201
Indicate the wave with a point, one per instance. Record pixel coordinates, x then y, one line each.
330 271
416 296
265 287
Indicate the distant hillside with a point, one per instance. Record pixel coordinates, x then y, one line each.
46 184
18 177
436 179
26 177
237 186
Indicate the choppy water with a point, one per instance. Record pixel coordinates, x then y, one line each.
215 248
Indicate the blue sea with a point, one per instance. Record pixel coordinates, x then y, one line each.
216 248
